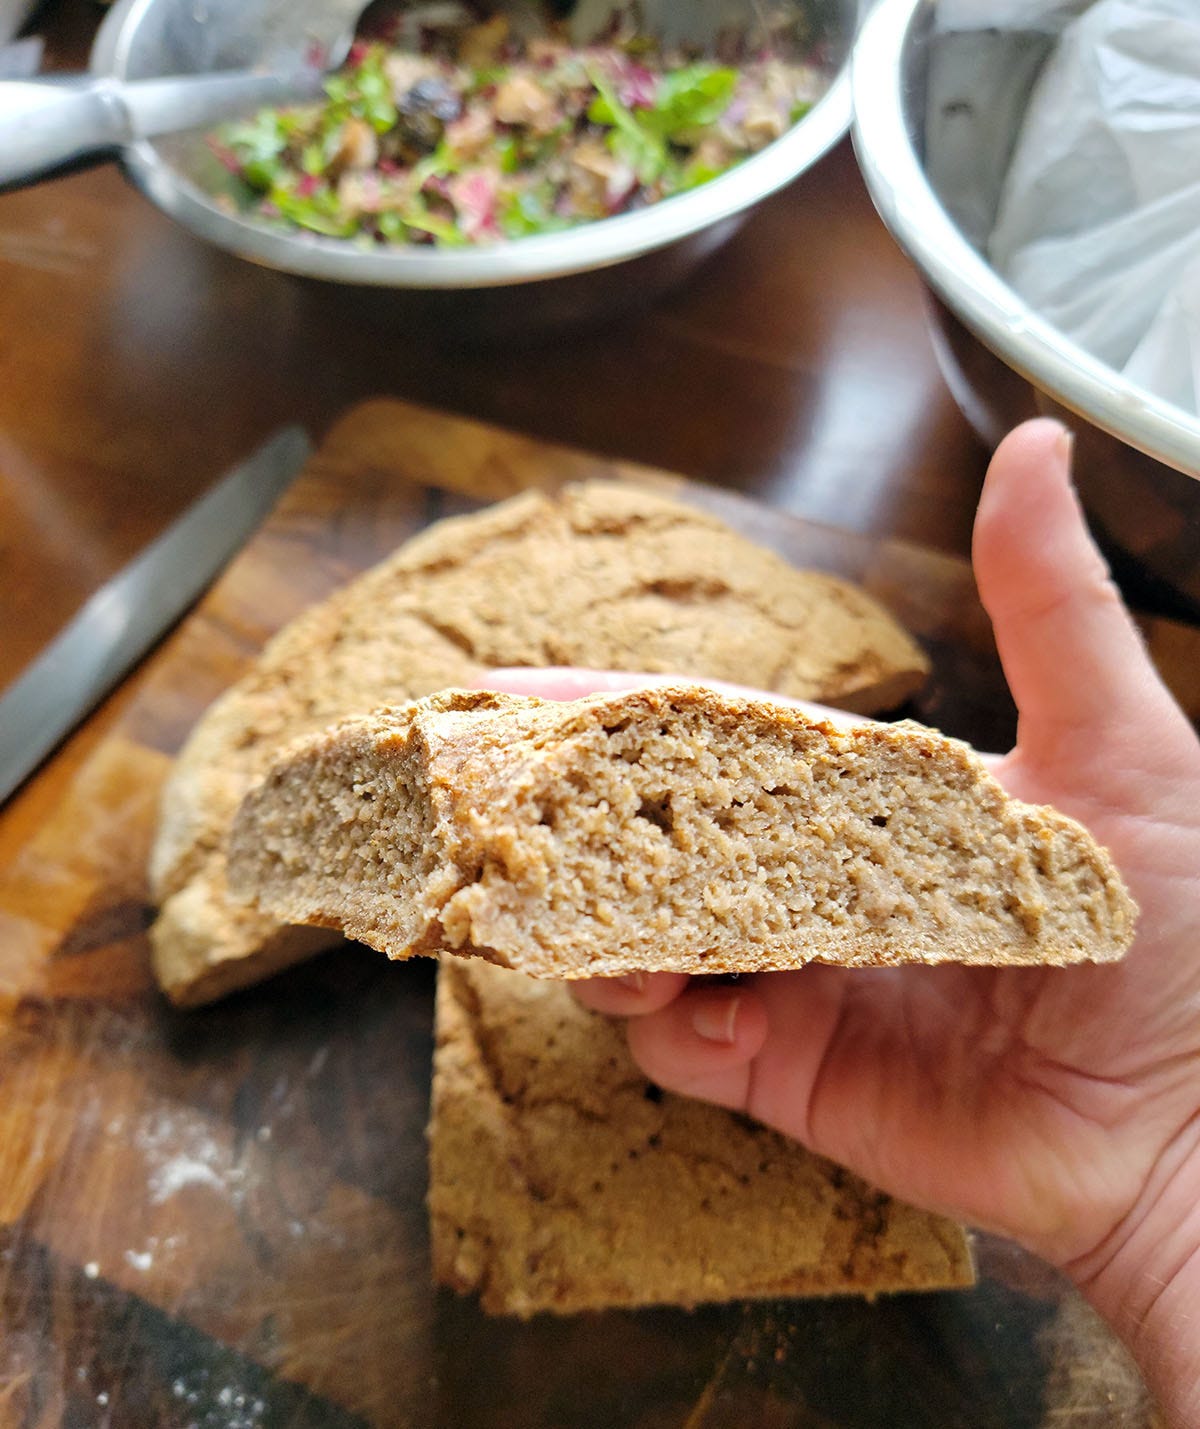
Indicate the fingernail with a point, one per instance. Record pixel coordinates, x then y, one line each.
716 1021
1065 446
635 982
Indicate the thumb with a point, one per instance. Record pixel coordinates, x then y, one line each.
1075 662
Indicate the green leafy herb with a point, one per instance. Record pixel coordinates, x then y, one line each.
417 216
696 172
319 212
488 78
522 213
259 144
364 92
508 151
438 165
630 141
685 100
392 227
691 98
313 159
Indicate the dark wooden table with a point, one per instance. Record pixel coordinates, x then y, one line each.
206 1211
135 366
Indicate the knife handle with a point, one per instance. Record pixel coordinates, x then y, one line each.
46 125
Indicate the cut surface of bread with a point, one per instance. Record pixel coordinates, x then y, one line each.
667 829
560 1179
603 573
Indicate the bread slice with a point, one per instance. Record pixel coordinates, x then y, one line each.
667 829
602 574
560 1179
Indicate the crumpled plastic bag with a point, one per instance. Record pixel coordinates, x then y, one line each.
1097 219
1047 15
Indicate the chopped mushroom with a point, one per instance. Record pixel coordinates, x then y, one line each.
481 44
471 134
762 123
522 100
598 181
359 148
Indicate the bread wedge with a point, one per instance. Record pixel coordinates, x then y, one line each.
668 829
562 1180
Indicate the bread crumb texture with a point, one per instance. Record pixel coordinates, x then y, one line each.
667 829
560 1179
600 574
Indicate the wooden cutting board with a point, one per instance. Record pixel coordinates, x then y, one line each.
216 1218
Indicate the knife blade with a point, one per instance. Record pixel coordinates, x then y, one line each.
128 614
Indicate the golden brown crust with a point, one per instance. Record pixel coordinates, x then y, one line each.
204 947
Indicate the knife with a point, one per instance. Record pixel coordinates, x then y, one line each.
138 605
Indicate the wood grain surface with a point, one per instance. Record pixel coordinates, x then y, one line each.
217 1218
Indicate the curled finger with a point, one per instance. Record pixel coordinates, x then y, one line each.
634 995
704 1042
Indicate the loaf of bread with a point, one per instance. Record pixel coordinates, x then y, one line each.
560 1179
602 574
667 829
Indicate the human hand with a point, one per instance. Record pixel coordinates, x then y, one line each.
1060 1107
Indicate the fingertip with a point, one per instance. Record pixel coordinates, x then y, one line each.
1038 438
1030 535
567 682
558 682
1071 653
709 1036
636 994
1031 465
